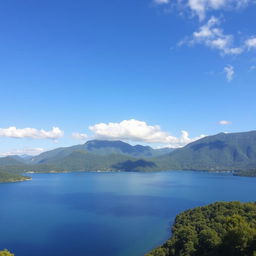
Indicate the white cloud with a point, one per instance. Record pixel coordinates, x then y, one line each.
13 132
212 36
251 43
139 131
25 151
80 136
224 122
229 70
184 139
161 1
201 7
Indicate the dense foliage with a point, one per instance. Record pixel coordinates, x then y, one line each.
6 253
219 229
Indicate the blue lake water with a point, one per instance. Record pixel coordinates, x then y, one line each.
110 214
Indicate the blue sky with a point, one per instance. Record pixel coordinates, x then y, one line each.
150 68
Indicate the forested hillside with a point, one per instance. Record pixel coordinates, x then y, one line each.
101 148
219 229
231 151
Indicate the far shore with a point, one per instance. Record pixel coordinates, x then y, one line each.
233 172
16 180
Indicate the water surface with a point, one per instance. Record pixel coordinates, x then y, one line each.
110 214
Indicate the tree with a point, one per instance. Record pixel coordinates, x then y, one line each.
5 253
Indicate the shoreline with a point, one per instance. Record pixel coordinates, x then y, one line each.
232 173
27 178
16 180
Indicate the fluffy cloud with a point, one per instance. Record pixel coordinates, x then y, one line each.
224 122
211 35
13 132
184 139
229 70
25 151
137 131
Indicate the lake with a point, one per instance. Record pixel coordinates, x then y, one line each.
110 214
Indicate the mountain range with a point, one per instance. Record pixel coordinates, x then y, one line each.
224 151
100 148
221 152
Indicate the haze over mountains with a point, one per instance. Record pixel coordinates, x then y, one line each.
221 152
10 160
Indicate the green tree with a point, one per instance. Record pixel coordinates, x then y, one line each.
209 241
5 253
239 236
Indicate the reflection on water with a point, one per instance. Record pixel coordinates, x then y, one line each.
115 214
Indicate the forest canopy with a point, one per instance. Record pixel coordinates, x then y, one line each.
219 229
6 253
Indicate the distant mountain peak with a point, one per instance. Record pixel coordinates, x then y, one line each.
102 148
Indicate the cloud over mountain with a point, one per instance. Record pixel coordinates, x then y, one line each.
137 131
24 151
80 136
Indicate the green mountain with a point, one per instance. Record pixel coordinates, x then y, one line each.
86 161
221 152
101 148
9 160
82 160
224 151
